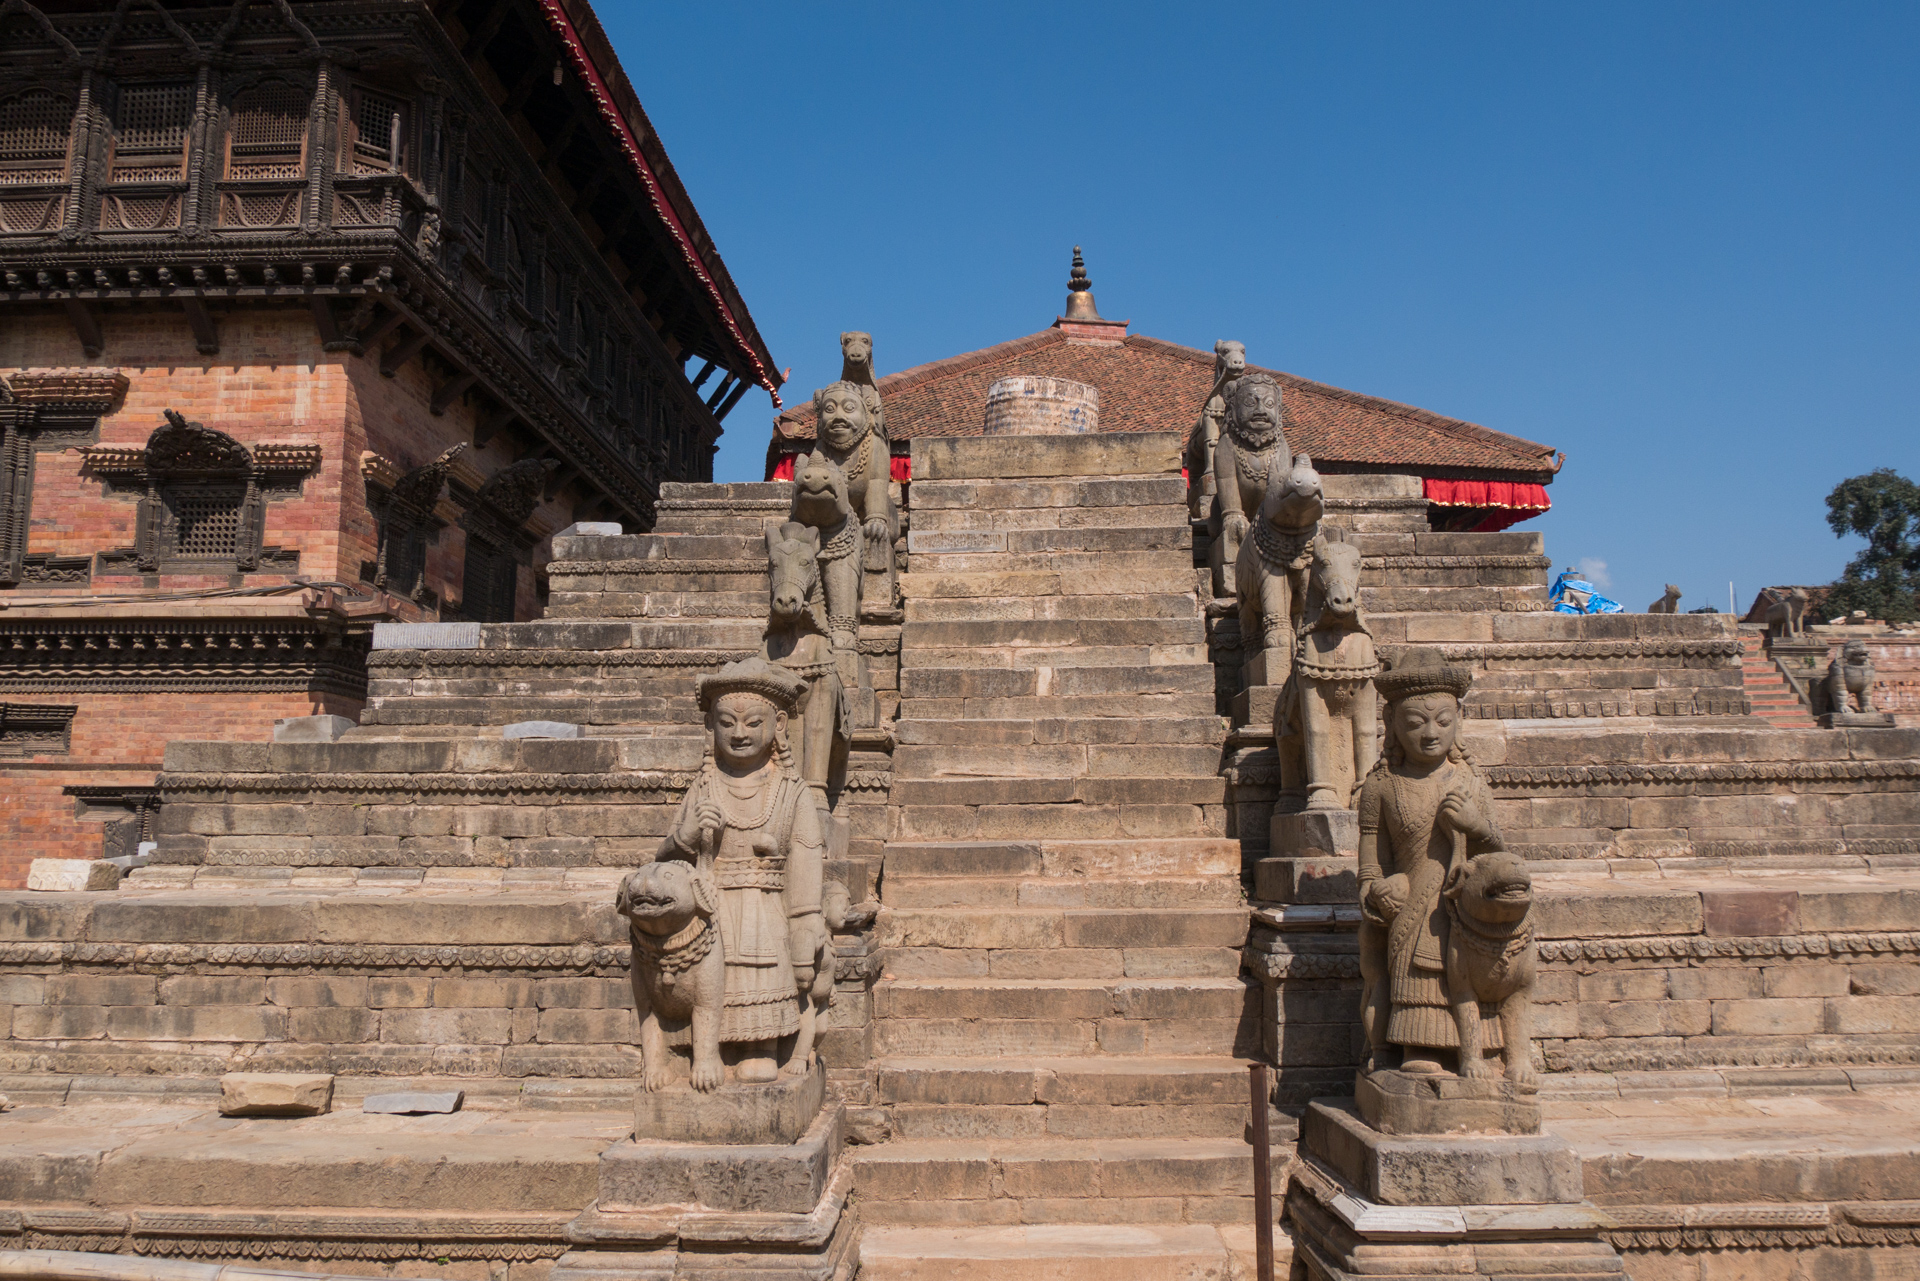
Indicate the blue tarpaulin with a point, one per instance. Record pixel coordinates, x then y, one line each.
1572 594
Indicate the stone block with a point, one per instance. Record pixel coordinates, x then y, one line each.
415 1102
310 729
275 1093
1326 833
101 989
763 1178
591 529
542 729
1106 455
426 636
776 1113
1750 913
70 874
1452 1170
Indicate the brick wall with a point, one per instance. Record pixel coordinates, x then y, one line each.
118 740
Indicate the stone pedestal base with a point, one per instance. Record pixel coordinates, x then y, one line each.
769 1211
779 1112
1856 720
1363 1204
1395 1102
1316 834
1313 858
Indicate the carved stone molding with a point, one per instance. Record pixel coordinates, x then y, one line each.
601 959
751 566
1699 947
651 788
582 659
1582 705
1513 777
1589 650
1486 561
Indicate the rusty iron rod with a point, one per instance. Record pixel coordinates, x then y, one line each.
1262 1173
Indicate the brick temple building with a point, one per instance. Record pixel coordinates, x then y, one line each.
1473 478
314 315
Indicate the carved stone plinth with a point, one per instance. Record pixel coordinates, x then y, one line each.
1396 1102
771 1210
778 1112
1319 833
1856 720
1313 858
1363 1203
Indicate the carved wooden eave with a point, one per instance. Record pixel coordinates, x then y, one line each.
280 462
203 651
95 391
379 470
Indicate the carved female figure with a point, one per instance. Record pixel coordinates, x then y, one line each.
749 822
1424 813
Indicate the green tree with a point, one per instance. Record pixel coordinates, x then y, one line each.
1882 507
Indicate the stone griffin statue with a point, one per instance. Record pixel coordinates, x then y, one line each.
821 503
1253 445
1850 679
749 826
1786 615
1447 955
1270 572
1229 363
1329 711
796 638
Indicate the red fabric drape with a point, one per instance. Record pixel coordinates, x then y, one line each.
1487 493
901 469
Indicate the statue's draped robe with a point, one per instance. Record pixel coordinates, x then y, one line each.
1401 810
751 871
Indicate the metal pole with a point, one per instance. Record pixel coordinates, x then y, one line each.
1262 1174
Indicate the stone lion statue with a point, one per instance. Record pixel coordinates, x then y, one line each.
1850 679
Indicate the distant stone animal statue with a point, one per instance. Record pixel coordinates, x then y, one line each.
1850 679
1229 362
1491 960
822 502
1330 700
796 638
1786 616
1667 604
1270 573
679 968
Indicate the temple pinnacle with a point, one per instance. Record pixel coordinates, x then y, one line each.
1080 305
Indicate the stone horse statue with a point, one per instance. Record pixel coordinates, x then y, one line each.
796 639
1270 573
1328 717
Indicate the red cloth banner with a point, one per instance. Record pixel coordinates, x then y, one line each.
1487 493
901 469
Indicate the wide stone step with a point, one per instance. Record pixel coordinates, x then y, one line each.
993 891
137 1154
1072 656
1053 633
1028 928
1145 710
1088 538
1062 761
1113 816
1129 1250
1009 1181
1067 682
994 1017
1128 1096
1019 731
1175 857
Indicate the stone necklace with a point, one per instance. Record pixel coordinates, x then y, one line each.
770 792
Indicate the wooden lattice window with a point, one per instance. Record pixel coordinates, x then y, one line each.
203 522
150 132
267 132
376 133
35 127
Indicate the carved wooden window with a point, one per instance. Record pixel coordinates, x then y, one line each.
150 132
36 729
473 198
202 521
376 133
35 128
267 132
550 294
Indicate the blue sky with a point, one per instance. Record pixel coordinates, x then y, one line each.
1677 241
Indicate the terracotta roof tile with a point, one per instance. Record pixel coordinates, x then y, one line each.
1146 384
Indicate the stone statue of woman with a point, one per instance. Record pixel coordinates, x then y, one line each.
1424 813
751 823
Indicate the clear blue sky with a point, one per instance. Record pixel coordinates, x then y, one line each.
1678 241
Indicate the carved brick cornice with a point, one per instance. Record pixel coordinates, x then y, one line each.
1589 650
563 659
133 655
1516 777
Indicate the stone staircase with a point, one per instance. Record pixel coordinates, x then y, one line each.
1061 1028
1771 696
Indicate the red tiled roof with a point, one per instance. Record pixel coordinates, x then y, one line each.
1149 385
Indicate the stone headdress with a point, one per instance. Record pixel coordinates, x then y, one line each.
1422 671
753 676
